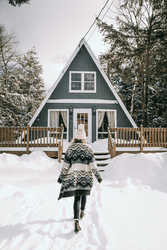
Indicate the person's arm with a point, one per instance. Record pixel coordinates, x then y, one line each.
94 169
64 170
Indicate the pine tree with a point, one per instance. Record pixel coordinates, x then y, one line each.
31 83
137 49
8 86
21 85
18 2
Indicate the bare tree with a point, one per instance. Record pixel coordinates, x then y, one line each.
8 55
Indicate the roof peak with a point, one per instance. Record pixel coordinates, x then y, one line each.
82 41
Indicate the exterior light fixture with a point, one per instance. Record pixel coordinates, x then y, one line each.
71 110
94 110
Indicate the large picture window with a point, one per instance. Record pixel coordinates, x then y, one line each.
58 117
104 119
82 81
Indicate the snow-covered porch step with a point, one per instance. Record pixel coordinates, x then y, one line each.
102 156
102 159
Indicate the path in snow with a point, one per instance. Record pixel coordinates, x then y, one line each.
38 220
126 211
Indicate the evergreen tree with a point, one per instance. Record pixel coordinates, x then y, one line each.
31 83
158 104
137 51
21 85
18 2
8 85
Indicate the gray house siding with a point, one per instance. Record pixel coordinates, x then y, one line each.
104 99
42 119
83 62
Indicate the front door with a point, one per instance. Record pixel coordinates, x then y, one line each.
83 116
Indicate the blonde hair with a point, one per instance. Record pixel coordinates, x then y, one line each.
80 140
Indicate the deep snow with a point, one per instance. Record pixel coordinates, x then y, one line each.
127 211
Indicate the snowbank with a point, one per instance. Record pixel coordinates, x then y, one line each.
139 169
126 211
35 166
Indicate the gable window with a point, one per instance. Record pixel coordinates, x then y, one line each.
104 119
58 117
82 81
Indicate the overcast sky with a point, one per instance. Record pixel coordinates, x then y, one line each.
55 28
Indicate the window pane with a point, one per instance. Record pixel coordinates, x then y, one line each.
63 120
64 136
102 135
75 85
89 86
54 119
111 118
88 81
57 118
105 118
102 121
89 77
75 76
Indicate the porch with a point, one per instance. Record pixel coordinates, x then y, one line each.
136 140
24 140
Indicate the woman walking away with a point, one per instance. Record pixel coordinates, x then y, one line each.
77 174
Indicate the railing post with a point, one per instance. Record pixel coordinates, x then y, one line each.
62 132
141 138
28 133
111 146
113 150
109 138
60 145
60 149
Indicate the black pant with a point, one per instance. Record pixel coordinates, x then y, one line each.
77 200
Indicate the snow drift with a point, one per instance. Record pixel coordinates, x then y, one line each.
126 211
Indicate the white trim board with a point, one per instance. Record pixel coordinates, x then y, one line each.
82 101
83 42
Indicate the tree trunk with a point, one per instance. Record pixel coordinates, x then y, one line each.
133 95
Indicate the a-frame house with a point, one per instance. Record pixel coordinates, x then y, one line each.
82 94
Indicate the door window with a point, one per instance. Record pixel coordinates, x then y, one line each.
82 118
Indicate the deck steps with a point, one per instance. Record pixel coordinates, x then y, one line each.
102 159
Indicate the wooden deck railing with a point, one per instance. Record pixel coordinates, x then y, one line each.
136 137
32 137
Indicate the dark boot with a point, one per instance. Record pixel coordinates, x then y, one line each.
77 227
82 214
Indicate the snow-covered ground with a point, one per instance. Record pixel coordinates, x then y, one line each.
127 211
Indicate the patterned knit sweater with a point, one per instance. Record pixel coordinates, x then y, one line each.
77 171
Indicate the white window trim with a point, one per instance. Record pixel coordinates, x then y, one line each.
82 82
97 110
67 120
